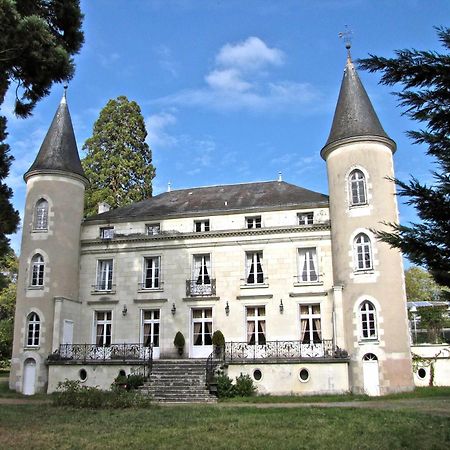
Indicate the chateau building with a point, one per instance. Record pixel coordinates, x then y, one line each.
307 299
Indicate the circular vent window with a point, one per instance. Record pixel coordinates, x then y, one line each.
303 375
83 374
257 374
422 373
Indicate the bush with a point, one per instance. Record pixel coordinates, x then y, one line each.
71 393
244 386
218 339
135 381
179 340
225 388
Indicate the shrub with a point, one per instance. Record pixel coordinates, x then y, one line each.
179 342
244 386
225 388
71 393
218 339
134 381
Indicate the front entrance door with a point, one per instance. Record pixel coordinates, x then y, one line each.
150 331
370 375
29 377
202 327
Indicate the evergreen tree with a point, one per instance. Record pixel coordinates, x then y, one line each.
425 95
9 217
118 161
37 41
420 286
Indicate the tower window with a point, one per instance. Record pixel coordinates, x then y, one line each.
357 188
368 321
40 222
37 270
363 252
33 330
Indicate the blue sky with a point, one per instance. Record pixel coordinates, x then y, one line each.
232 90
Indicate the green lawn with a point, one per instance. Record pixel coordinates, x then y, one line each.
215 427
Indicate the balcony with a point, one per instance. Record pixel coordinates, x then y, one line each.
196 289
278 351
92 353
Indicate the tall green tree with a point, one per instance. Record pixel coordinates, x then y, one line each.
8 269
118 161
425 80
9 217
37 41
420 286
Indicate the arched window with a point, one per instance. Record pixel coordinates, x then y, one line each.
363 252
33 330
41 215
368 320
357 188
37 270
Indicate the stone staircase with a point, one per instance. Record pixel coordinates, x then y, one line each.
178 380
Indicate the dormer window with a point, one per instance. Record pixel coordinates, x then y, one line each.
106 232
253 222
201 225
152 229
40 222
306 218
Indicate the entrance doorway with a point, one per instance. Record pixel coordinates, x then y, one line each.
202 326
370 375
29 377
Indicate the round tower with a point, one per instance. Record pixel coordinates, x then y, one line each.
369 294
49 257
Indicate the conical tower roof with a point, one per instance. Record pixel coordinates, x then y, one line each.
354 118
58 152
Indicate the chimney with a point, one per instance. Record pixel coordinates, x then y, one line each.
103 207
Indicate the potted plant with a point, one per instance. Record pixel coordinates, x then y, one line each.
218 341
179 342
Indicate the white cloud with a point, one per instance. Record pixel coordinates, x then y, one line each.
238 82
228 80
108 60
251 54
166 60
157 135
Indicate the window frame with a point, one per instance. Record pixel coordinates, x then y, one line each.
37 271
101 284
33 330
205 336
105 337
152 322
312 259
358 185
312 334
257 336
305 218
41 215
252 222
253 259
368 321
106 232
202 226
362 253
156 282
153 229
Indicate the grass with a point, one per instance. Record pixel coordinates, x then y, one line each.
420 392
206 427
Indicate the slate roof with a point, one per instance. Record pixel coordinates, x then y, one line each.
59 150
354 115
217 199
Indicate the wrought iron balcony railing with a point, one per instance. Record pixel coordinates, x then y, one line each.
281 351
92 353
196 289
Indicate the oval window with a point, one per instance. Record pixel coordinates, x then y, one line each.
304 375
83 374
257 374
422 373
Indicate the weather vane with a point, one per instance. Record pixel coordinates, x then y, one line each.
347 36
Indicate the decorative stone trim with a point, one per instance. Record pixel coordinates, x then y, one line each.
256 297
150 300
